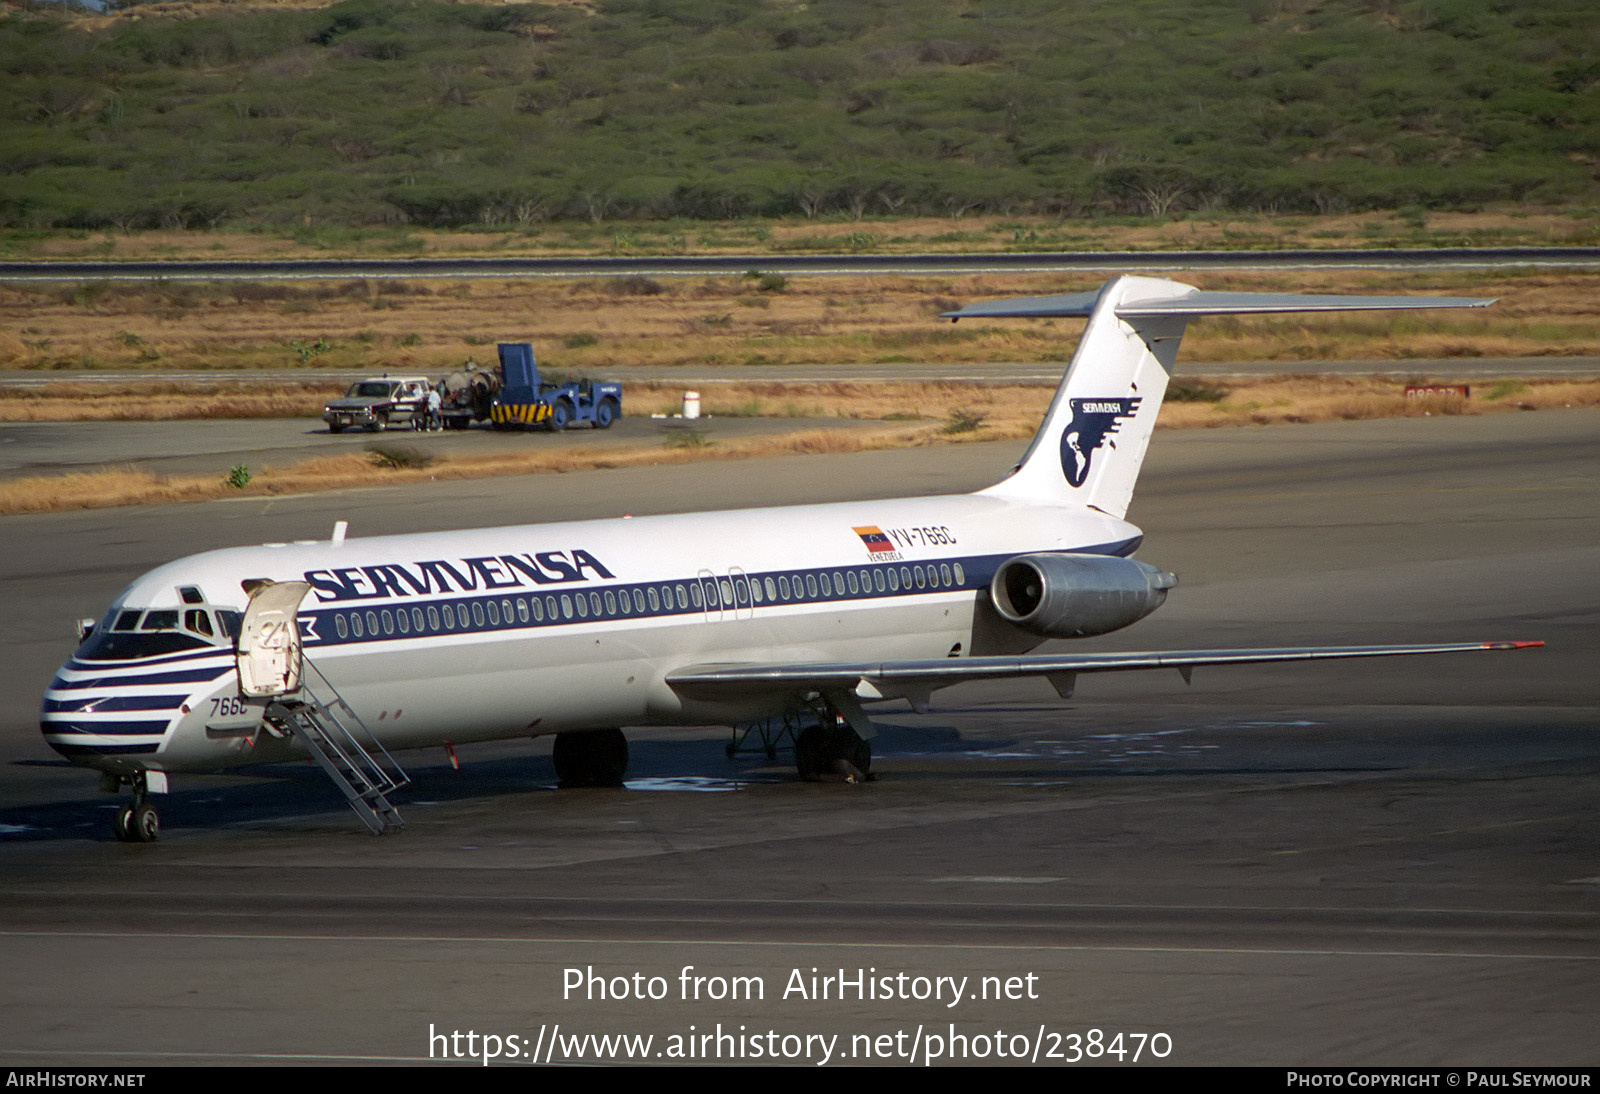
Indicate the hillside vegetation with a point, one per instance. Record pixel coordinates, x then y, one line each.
384 112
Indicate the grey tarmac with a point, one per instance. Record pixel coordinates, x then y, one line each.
1367 863
207 446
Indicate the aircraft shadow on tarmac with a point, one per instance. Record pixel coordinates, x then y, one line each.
292 796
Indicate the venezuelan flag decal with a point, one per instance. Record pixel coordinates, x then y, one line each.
874 538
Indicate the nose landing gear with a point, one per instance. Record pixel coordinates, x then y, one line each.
137 821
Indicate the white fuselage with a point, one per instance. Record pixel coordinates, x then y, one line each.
521 631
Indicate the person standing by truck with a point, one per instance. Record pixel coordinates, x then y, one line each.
435 402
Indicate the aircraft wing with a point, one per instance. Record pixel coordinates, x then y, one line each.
915 679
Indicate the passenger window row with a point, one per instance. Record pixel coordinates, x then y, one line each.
663 598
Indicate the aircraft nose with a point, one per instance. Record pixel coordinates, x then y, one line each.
92 721
56 712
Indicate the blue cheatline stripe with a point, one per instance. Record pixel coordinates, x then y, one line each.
687 597
50 727
70 750
107 680
163 660
116 703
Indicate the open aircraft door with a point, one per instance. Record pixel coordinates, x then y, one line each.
269 640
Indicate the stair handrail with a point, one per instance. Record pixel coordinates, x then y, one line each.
403 779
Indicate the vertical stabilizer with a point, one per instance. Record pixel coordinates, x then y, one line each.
1097 429
1094 436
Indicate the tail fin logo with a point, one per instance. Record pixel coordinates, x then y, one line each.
1093 420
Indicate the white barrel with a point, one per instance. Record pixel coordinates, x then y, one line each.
691 404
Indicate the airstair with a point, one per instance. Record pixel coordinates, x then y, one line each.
333 735
300 701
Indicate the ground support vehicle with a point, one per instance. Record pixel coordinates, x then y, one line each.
467 395
378 402
523 400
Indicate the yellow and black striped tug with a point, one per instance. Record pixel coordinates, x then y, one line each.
524 414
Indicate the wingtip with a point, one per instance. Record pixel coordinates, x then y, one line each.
1512 645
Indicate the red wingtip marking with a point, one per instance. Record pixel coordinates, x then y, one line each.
1512 645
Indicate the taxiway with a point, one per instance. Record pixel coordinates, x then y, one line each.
1362 863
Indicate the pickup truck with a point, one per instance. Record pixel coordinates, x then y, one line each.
379 401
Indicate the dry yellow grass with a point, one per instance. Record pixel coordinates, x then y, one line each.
161 401
1329 398
1003 406
99 489
1007 412
592 325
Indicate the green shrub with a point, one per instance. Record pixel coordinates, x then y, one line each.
1195 391
963 421
398 456
367 116
634 285
1502 388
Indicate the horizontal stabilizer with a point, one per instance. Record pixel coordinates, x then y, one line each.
1197 303
890 677
1093 439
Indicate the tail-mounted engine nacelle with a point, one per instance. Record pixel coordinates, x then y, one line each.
1075 596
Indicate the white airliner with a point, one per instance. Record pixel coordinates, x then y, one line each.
262 654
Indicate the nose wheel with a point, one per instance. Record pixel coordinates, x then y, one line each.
137 821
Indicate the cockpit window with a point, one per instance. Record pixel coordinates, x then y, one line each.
122 646
137 633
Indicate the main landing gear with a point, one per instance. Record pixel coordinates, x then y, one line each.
834 751
826 746
597 757
137 821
